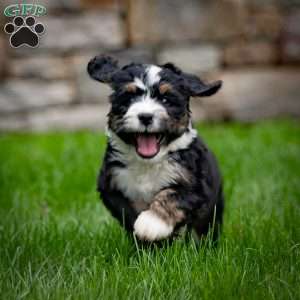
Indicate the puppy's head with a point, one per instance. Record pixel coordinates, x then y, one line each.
149 104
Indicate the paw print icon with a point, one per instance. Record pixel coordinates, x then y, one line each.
24 31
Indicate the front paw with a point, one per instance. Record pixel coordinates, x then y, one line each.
150 227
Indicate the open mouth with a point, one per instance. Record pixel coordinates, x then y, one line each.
147 145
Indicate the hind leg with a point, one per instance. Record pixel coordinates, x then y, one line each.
210 218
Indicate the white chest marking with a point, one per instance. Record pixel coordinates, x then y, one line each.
140 181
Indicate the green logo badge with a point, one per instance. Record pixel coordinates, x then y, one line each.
24 29
25 9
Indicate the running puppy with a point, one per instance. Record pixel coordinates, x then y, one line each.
157 174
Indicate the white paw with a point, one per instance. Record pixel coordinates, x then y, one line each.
150 227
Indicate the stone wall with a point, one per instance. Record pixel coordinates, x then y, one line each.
252 45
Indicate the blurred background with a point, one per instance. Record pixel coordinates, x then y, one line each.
252 45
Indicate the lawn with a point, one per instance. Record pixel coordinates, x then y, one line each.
57 241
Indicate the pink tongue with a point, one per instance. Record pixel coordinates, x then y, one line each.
147 145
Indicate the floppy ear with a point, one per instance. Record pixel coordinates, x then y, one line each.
198 88
102 68
194 85
170 66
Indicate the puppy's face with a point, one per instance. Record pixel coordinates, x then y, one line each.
149 104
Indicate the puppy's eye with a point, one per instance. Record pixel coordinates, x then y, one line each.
137 92
132 89
170 99
130 95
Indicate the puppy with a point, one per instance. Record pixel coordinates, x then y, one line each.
157 174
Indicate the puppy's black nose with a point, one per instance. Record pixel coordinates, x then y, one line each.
146 119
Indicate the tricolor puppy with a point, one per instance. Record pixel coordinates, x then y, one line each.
157 174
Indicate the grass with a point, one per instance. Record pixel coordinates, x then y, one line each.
58 242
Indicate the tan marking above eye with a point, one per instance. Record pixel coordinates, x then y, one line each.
164 87
131 87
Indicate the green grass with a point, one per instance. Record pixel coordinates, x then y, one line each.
58 242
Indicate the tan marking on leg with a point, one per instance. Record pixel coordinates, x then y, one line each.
139 206
165 206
